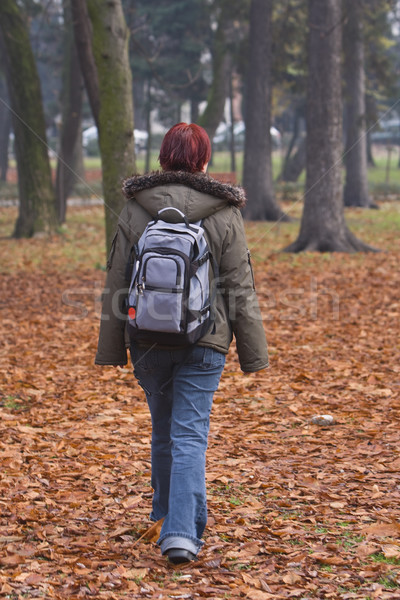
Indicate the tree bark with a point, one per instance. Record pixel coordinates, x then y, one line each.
370 157
83 35
323 227
232 127
371 117
257 165
194 110
70 138
221 67
36 193
102 42
292 143
5 129
296 164
115 119
355 158
148 128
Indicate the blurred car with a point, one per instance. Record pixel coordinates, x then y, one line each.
221 140
90 142
141 138
386 132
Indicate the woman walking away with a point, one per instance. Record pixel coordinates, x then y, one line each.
180 381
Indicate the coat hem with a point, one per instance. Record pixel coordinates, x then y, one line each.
111 363
253 369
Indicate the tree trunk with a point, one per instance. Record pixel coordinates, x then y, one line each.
106 70
323 226
355 158
194 110
292 143
5 129
296 164
139 102
232 132
221 66
148 128
36 194
70 138
370 157
83 35
371 117
257 165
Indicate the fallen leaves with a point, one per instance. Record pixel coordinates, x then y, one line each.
296 509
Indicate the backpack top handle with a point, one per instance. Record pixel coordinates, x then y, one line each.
169 208
184 218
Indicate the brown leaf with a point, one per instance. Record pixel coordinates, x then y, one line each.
11 560
367 549
391 551
120 531
326 559
291 577
152 533
259 595
382 529
132 502
134 573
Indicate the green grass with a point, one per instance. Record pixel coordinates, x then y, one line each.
381 558
326 568
221 163
389 583
235 501
81 240
12 403
349 540
380 182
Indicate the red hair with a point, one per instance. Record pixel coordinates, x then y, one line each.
185 148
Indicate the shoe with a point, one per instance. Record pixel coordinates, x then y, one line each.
178 556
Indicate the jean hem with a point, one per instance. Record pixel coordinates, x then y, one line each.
180 540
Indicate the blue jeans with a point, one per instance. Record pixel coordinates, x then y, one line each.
179 386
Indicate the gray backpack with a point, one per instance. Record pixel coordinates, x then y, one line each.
169 299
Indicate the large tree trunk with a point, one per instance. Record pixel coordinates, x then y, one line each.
221 67
110 50
5 129
36 194
105 63
70 138
323 226
355 158
257 166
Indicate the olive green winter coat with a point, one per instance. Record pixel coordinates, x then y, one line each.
198 196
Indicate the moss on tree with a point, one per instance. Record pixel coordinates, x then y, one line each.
36 193
110 50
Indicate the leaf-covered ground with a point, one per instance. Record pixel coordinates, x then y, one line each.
296 509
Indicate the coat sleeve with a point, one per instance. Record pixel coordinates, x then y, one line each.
237 286
111 349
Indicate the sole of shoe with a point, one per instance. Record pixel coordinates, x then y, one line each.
178 556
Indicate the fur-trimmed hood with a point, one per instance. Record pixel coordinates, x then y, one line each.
200 182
